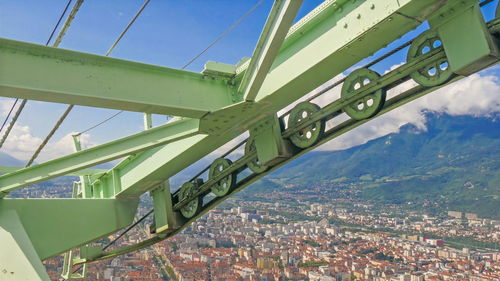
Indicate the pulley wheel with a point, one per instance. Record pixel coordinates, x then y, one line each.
369 105
435 73
254 165
309 135
223 186
189 210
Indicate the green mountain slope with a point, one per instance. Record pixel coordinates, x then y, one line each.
455 164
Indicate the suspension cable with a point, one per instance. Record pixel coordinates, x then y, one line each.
240 20
121 235
99 124
127 27
59 38
128 229
107 54
23 103
70 107
13 121
51 133
58 22
8 115
67 23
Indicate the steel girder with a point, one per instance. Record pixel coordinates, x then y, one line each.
330 39
100 154
19 259
55 225
277 25
303 56
49 74
340 35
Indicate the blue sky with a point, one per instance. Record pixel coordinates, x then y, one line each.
168 33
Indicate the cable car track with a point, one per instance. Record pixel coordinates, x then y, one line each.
326 113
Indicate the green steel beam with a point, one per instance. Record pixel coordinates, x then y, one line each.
19 260
315 50
151 168
99 154
57 225
465 50
277 25
345 27
42 73
84 172
337 35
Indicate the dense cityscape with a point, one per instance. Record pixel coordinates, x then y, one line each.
298 239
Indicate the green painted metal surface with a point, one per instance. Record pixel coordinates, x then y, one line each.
33 72
56 225
299 67
164 216
352 31
465 50
271 148
277 25
100 154
325 43
83 172
18 259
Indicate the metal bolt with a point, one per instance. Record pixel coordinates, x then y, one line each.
345 25
372 6
359 16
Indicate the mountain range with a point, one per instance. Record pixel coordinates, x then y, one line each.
454 164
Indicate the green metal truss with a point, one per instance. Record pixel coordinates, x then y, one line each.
35 72
216 106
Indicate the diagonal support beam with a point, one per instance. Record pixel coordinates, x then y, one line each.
154 137
84 172
36 72
277 25
327 41
332 38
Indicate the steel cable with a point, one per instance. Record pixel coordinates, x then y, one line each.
23 103
70 107
107 54
8 115
59 38
239 21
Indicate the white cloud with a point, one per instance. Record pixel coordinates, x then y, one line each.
21 142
